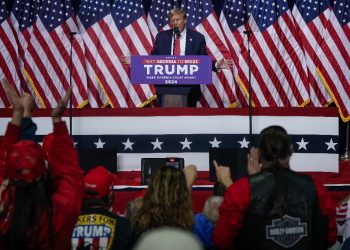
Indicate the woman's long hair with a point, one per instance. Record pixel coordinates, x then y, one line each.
167 202
31 206
275 148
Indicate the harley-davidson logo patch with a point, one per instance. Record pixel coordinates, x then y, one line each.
286 231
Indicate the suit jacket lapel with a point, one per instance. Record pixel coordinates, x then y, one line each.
188 48
169 42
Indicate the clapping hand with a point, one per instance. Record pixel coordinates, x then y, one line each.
57 112
16 102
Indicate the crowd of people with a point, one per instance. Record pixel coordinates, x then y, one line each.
46 201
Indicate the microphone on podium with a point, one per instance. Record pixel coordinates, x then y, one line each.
176 32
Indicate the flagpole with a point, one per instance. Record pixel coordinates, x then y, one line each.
346 155
71 35
248 33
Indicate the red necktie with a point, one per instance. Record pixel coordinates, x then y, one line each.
177 46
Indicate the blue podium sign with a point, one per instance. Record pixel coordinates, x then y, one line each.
171 70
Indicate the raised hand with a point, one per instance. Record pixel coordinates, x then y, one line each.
253 161
28 104
190 172
223 174
224 64
12 95
16 102
57 112
125 59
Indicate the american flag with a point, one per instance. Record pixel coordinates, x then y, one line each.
202 18
311 18
8 55
336 46
22 17
278 69
135 37
97 95
157 18
51 34
110 31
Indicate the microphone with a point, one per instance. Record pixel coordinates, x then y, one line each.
176 32
73 33
247 32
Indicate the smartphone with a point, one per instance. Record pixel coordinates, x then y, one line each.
174 162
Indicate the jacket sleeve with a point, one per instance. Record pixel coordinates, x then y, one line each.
67 185
232 211
328 208
155 50
11 136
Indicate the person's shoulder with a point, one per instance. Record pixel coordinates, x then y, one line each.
164 33
240 184
195 34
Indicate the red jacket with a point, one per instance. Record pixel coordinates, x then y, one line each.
237 201
66 180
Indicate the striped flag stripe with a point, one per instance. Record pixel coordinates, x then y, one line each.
311 37
218 91
275 64
42 63
78 71
9 55
223 89
27 63
98 59
52 61
236 42
118 45
339 84
34 75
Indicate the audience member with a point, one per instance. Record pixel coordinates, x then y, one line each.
39 205
97 227
341 217
343 222
167 201
28 127
219 189
132 207
275 207
204 222
168 238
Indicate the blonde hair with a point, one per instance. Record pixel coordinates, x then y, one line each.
167 202
177 11
211 208
132 207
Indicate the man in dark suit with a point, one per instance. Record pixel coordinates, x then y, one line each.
191 43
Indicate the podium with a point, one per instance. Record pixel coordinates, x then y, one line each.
177 78
177 95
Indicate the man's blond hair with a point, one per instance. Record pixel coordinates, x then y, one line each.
177 11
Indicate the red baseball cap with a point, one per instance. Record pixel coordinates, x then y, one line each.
99 180
25 161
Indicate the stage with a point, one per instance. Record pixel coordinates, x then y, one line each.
128 135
